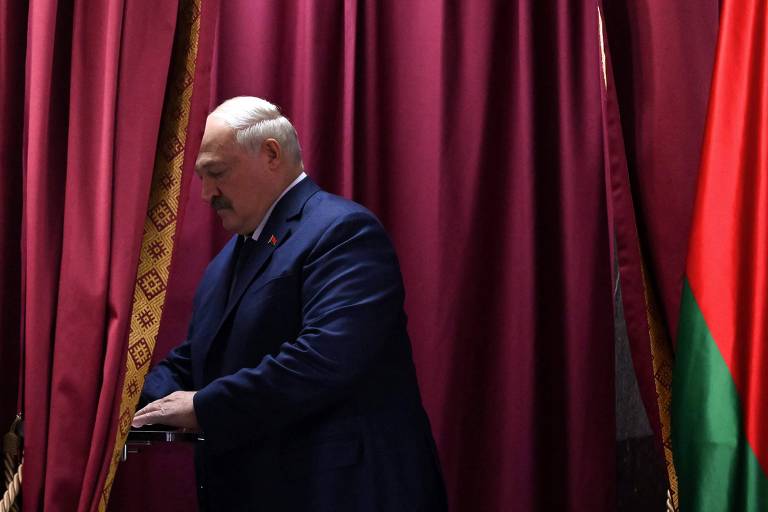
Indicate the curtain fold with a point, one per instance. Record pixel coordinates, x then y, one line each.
657 118
95 76
650 348
184 112
13 19
663 111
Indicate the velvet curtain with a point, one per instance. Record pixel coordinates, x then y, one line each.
663 55
13 17
95 77
659 59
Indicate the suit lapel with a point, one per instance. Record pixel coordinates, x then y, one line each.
214 303
278 229
253 265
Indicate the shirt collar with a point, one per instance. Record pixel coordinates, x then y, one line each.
263 222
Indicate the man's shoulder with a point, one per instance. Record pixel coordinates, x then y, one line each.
331 209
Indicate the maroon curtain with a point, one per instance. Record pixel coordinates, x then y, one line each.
95 79
663 54
473 130
161 477
13 18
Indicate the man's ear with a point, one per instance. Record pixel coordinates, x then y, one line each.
272 150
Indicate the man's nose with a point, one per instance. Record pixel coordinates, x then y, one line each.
209 190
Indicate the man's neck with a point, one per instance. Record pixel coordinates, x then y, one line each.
296 180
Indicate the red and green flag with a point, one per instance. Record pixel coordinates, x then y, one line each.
720 383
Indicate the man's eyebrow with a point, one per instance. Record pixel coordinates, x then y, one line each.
207 165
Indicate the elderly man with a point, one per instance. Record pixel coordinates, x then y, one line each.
297 366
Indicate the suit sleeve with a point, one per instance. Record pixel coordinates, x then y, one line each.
171 374
174 373
352 301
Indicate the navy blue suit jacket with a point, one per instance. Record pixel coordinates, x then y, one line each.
307 393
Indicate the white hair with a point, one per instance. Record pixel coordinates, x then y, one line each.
255 119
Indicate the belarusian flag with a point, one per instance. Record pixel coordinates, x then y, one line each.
720 384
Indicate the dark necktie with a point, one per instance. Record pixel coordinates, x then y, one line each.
243 251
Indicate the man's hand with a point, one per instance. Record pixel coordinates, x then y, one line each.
175 410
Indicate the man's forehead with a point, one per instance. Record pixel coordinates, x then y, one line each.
217 133
217 145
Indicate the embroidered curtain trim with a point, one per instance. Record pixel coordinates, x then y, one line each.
159 226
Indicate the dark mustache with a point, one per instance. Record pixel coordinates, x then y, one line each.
220 202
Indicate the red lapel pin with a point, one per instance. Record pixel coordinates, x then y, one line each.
272 240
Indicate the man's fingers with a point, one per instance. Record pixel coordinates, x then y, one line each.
175 410
157 405
138 422
149 414
147 418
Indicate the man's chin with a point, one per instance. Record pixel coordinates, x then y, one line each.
227 222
